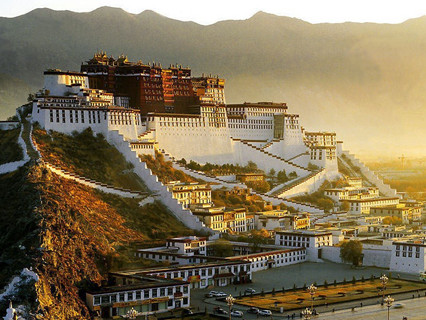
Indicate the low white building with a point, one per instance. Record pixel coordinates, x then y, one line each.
146 295
362 206
311 240
191 245
408 256
273 259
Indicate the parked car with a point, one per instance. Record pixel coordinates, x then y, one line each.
253 310
265 313
219 310
213 293
250 290
187 311
398 305
221 294
236 313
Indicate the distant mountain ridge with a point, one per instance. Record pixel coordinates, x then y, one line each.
365 81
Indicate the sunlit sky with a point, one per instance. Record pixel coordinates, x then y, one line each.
207 12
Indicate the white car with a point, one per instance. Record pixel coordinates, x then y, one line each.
236 313
221 294
213 293
250 290
265 313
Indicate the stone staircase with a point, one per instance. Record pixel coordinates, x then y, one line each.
371 176
299 155
270 143
273 156
146 135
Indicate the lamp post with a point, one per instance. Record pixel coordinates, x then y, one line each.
230 302
131 314
306 314
312 289
389 300
384 281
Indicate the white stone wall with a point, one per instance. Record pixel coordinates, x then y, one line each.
372 257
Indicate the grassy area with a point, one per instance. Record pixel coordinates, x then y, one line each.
219 170
153 220
342 292
164 169
89 156
253 203
9 146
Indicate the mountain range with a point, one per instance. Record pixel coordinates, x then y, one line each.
364 81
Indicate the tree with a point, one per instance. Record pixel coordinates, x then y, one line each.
272 173
251 166
222 248
312 166
351 251
392 220
292 175
282 176
344 206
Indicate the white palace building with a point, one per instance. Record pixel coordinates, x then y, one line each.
265 133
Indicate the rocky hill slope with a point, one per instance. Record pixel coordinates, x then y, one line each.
69 234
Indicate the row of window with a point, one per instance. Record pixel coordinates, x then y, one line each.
138 295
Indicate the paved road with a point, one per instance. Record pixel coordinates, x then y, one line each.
414 309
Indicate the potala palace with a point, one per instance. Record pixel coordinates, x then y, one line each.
166 109
143 108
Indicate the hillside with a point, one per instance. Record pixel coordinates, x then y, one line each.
368 75
69 234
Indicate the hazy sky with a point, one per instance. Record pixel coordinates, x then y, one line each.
207 12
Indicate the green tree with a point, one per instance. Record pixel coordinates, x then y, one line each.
282 176
292 175
312 166
222 248
351 251
272 173
344 206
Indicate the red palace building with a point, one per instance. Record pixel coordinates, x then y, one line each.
149 88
